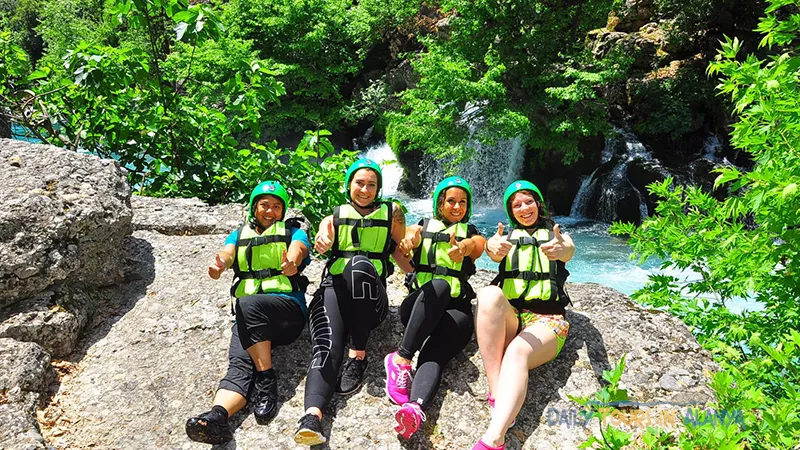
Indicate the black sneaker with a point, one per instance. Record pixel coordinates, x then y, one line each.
310 431
352 375
210 428
265 399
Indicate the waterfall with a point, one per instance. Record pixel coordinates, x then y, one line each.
391 170
489 169
604 191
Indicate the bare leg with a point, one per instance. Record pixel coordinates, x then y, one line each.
536 345
261 354
316 411
495 327
230 400
358 354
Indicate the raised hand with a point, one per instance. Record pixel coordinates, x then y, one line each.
288 267
216 269
498 244
324 239
410 241
558 248
457 249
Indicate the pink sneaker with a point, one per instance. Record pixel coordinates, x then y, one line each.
490 399
398 380
482 446
409 418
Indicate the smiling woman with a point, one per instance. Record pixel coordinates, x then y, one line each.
267 256
437 313
351 299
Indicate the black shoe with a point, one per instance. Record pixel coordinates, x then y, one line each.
265 399
210 428
352 375
310 431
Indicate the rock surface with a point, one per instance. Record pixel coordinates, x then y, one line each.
63 219
156 351
190 216
25 374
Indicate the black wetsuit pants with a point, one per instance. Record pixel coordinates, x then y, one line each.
350 304
262 317
439 327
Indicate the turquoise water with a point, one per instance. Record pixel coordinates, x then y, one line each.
599 257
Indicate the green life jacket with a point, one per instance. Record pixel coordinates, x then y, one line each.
526 275
431 259
257 265
355 234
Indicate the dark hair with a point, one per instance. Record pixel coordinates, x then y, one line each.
544 216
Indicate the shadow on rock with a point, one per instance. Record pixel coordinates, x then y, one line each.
545 381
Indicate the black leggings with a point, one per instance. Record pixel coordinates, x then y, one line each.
266 317
352 303
257 310
447 324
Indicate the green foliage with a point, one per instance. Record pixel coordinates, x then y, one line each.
508 69
674 104
320 46
747 246
601 405
160 112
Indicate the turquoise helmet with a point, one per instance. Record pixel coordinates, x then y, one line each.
513 188
267 188
446 184
362 163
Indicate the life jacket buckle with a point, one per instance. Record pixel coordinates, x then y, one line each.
440 270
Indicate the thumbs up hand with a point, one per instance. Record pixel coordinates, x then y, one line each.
560 247
411 240
457 249
324 239
216 269
288 267
498 245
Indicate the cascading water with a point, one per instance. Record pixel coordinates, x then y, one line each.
392 172
607 192
489 169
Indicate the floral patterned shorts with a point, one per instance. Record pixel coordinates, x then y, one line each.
555 322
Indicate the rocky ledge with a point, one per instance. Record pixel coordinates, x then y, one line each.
155 345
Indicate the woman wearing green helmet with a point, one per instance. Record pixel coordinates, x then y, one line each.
437 314
519 320
267 255
351 299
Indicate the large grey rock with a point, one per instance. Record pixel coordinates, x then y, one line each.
63 217
158 359
191 216
53 319
25 374
18 429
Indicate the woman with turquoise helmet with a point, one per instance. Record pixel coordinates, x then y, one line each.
351 300
267 255
520 318
437 313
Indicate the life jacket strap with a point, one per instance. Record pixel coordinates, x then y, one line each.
527 275
359 223
437 236
441 270
350 254
260 274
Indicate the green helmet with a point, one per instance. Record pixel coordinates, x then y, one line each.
268 188
362 163
446 184
513 188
